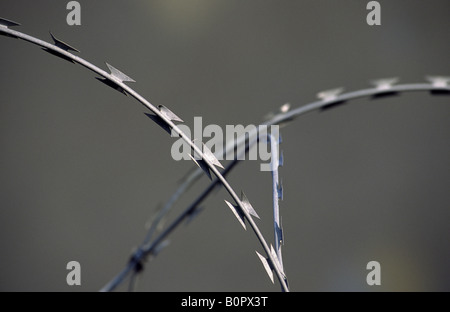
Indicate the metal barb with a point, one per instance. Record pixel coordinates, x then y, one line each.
266 266
238 213
118 75
281 159
169 114
439 81
7 23
62 45
202 164
279 233
385 83
276 260
280 190
330 95
211 157
248 206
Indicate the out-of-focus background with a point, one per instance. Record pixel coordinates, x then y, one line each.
82 169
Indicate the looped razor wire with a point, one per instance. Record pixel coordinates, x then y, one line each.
438 86
162 116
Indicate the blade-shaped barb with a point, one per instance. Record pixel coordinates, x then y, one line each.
439 81
238 213
62 45
279 234
280 190
276 260
248 206
385 83
202 164
211 157
116 79
169 114
7 23
118 75
330 95
281 159
266 266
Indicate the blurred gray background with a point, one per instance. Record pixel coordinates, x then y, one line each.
82 169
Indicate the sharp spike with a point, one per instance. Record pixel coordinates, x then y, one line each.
282 231
280 190
66 48
4 23
208 155
238 213
201 163
279 234
211 157
248 206
439 81
266 266
384 86
169 114
276 260
385 83
62 45
118 75
330 95
160 122
7 23
281 159
273 253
